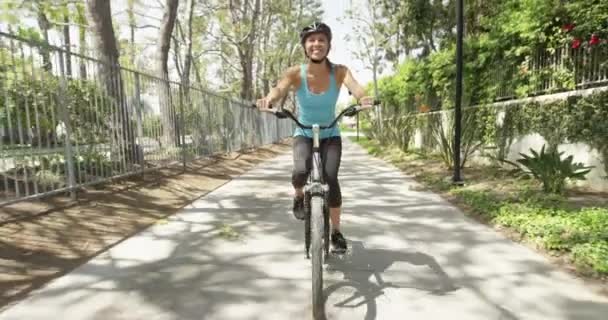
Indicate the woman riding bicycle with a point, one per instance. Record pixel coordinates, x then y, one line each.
317 83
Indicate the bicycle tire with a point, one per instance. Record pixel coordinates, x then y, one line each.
307 224
326 228
317 230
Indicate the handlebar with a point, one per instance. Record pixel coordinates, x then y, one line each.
351 111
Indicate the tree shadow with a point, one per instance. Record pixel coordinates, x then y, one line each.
47 238
186 269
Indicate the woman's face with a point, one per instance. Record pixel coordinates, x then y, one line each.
316 46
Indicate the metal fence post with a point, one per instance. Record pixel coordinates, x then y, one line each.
69 154
183 125
357 126
140 128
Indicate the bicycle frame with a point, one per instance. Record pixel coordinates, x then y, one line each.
316 187
316 228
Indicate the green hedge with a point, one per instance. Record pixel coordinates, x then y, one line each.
35 103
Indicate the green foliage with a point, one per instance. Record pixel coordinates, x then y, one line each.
36 103
507 50
152 125
89 109
493 129
587 123
589 17
545 219
550 168
11 11
399 129
583 233
593 256
49 169
556 229
478 129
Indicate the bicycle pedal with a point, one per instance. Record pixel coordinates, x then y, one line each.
338 251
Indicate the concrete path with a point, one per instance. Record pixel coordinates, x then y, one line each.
412 256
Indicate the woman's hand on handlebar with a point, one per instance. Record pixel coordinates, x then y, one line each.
366 102
264 104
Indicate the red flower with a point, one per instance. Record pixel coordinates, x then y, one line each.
567 27
576 43
595 39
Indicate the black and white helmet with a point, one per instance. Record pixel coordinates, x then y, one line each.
315 27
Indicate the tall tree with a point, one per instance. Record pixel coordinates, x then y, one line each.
66 38
185 77
164 44
100 14
132 27
245 18
81 20
45 26
281 48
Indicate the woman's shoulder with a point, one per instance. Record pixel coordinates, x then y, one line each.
340 67
293 74
341 71
294 70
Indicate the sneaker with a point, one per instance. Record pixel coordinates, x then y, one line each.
338 242
298 208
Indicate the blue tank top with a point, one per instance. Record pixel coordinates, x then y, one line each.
317 108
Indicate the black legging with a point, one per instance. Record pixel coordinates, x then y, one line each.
331 152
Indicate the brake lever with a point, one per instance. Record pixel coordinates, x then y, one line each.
280 114
352 111
356 108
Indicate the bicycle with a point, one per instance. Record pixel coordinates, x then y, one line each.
316 226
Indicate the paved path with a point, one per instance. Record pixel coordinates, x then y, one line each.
412 256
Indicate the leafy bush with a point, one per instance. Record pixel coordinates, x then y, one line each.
583 233
592 256
550 169
556 229
34 104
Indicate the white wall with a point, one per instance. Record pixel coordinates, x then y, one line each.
595 180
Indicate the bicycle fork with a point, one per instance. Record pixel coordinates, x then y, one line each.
316 188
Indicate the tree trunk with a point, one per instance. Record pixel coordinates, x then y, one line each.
188 57
101 23
177 50
246 52
44 25
105 41
197 74
131 14
164 43
263 65
68 45
245 44
82 39
247 73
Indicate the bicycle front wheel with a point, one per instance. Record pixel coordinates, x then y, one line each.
317 228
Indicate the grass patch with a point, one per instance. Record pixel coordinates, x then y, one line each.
228 232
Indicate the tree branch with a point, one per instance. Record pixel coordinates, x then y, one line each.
146 26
